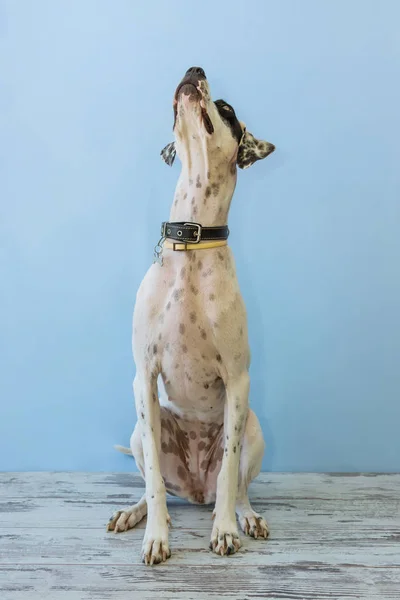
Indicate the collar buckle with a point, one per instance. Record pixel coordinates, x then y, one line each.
196 234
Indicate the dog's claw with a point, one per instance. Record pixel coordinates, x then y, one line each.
254 525
224 540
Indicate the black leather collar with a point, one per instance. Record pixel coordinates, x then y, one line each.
193 233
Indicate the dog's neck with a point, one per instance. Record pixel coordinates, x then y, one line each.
204 191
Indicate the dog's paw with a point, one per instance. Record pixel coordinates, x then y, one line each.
122 520
155 549
224 538
254 525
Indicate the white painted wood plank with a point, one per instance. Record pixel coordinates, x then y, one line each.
86 546
297 581
332 537
94 514
267 485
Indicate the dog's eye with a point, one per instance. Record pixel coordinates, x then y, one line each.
225 109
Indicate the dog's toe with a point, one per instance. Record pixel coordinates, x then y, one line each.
155 551
224 540
254 525
122 520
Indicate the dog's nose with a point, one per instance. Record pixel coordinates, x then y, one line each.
196 71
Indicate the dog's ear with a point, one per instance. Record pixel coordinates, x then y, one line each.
168 153
252 149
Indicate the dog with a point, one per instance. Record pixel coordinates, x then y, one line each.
196 437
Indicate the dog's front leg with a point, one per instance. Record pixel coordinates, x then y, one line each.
155 547
225 536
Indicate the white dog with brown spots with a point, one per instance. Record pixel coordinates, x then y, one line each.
196 436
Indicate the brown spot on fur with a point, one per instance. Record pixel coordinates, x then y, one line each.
193 435
193 201
193 317
218 357
198 496
212 297
194 290
215 189
188 377
183 272
208 192
155 349
154 397
199 265
206 386
173 448
176 366
203 334
204 464
184 348
219 454
208 174
181 328
203 398
168 305
185 196
220 255
159 337
178 294
161 318
181 473
201 446
198 182
208 272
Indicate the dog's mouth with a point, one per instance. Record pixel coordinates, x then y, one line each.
190 89
187 89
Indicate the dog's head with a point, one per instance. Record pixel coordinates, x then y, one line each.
213 125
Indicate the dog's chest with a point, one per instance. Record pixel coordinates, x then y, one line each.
185 312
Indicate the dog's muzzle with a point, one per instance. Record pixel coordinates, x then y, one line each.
190 82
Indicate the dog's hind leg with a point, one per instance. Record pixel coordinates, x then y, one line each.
127 518
252 452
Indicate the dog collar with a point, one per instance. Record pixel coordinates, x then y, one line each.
189 236
193 233
186 246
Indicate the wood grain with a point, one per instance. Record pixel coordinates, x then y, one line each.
332 536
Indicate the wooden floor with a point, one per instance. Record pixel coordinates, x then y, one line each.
332 536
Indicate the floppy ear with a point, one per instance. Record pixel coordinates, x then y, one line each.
252 149
168 153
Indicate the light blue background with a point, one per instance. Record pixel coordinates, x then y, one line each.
85 108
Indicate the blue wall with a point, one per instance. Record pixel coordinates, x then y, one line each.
85 107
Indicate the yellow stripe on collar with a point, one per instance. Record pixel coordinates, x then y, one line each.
200 246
